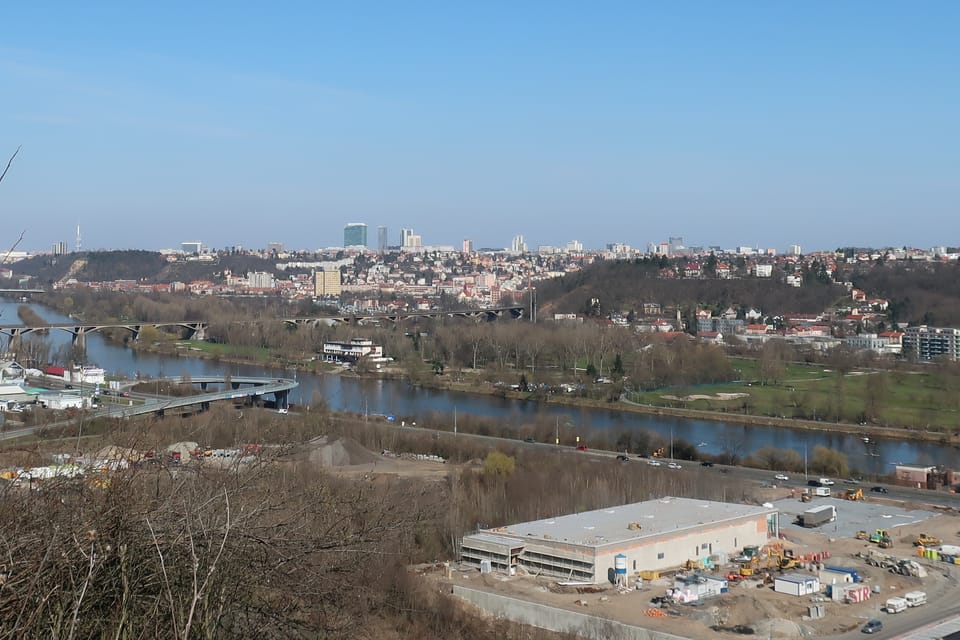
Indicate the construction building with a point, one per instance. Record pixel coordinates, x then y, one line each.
653 536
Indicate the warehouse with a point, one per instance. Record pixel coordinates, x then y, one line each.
652 536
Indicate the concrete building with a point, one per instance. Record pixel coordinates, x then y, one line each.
355 235
327 283
931 343
351 351
653 535
191 248
382 239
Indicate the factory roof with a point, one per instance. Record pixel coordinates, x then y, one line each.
632 521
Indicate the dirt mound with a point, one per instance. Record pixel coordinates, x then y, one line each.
339 452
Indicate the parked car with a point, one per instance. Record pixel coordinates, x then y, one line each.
781 476
878 489
872 626
674 465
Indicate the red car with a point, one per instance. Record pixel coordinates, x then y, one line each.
581 447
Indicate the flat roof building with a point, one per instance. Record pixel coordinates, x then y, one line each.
653 535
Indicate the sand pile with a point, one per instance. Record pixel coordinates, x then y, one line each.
339 452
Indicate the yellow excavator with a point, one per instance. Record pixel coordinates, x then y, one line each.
853 494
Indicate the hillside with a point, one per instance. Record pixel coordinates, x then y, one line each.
918 292
625 286
143 266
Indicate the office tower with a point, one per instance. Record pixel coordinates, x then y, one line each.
382 239
518 245
467 246
405 235
191 247
355 235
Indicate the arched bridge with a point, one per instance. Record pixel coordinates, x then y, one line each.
239 387
487 313
196 329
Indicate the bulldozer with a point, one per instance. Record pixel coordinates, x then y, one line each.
853 494
923 540
862 535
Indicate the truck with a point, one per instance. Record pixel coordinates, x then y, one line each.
895 605
817 516
915 598
822 492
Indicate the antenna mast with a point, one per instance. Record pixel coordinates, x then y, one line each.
79 244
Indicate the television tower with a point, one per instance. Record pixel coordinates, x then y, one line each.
79 243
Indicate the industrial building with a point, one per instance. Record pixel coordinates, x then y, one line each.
651 536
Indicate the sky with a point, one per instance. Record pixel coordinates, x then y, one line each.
764 124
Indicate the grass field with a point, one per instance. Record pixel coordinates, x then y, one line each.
927 401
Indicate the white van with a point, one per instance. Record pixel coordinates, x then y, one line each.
915 598
895 605
826 482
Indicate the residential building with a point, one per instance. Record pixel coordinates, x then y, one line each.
467 246
518 245
931 343
327 283
351 351
261 280
60 248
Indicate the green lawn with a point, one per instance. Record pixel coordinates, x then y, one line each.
918 400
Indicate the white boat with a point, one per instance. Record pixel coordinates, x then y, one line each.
865 439
702 444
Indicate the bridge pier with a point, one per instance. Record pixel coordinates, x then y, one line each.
79 337
282 399
198 331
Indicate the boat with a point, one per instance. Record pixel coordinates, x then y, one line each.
702 444
865 439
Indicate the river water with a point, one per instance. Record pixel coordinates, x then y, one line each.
393 397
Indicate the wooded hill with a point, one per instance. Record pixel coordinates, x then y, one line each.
625 286
918 292
146 266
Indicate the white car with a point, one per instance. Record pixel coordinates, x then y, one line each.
674 465
781 476
653 463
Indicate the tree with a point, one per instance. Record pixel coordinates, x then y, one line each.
498 464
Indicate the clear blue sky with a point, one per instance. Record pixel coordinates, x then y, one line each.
729 123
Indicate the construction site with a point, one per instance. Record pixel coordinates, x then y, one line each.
826 573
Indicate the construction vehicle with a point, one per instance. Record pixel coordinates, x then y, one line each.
805 497
658 453
882 539
853 494
862 535
923 540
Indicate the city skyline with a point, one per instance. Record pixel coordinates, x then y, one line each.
734 124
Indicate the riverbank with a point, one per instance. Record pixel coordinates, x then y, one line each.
472 383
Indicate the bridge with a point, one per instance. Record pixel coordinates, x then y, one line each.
197 329
2 291
486 313
240 388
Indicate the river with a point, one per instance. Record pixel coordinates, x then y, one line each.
394 397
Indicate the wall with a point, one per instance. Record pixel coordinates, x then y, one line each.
678 548
556 619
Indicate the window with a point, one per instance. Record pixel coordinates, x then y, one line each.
705 545
660 556
634 565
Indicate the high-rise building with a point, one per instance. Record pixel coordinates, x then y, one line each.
467 246
327 283
405 235
60 249
794 250
518 245
382 239
355 235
